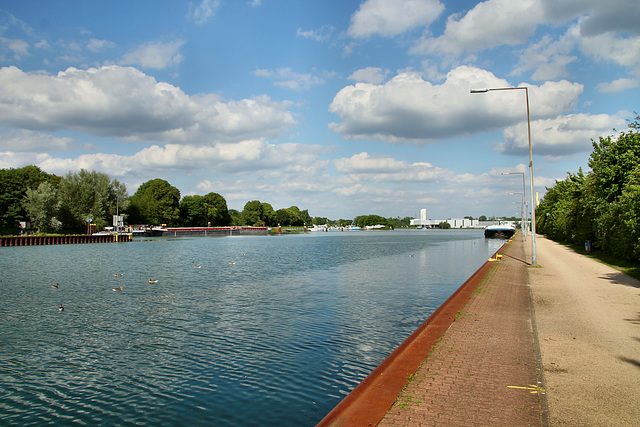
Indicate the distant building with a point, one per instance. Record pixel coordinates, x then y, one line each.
423 222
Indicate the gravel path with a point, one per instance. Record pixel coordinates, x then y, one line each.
588 323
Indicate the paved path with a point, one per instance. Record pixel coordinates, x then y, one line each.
484 371
588 323
487 369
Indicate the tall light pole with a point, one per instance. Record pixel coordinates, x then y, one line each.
524 196
533 205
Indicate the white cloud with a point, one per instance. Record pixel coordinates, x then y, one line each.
489 24
560 135
10 159
409 109
155 55
249 157
549 59
373 75
363 167
621 50
618 85
17 47
31 141
124 102
204 11
392 17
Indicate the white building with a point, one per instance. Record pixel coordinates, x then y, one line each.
423 222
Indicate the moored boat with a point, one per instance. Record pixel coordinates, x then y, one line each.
504 231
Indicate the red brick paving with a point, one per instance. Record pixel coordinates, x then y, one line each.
466 378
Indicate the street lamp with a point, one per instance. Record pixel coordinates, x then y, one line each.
524 203
533 206
522 215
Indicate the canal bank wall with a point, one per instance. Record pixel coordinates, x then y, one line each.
370 401
62 240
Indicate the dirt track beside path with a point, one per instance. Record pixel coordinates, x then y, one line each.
588 323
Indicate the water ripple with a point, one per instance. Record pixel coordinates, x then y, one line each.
278 338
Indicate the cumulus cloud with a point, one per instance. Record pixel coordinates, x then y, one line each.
613 48
618 85
250 156
373 75
548 58
560 135
410 109
489 24
367 168
392 17
124 102
606 31
156 55
26 141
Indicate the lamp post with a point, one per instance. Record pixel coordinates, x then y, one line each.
521 214
524 196
533 205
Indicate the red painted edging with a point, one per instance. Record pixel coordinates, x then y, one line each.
368 403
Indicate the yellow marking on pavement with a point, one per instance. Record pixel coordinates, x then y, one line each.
532 388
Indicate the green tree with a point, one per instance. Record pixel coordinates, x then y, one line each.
306 218
155 202
289 216
13 188
318 220
444 225
91 195
216 210
602 206
43 207
399 222
253 213
192 211
369 220
268 215
236 217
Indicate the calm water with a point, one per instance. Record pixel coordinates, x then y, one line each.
276 339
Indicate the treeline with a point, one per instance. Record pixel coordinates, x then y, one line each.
67 204
371 220
603 205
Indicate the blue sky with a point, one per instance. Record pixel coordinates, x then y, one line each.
341 107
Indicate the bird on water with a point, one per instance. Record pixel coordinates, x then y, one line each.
153 281
118 289
61 308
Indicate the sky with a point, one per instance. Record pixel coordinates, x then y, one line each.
341 107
